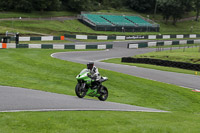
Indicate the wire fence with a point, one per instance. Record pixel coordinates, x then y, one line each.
185 48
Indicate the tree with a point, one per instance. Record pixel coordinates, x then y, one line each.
43 5
81 5
7 5
174 9
24 5
142 5
197 8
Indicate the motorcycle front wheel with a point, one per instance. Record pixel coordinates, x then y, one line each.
80 91
103 93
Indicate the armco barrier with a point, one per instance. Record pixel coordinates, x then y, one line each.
56 46
42 38
183 65
104 37
161 43
132 37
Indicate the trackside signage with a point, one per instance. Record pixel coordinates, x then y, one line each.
134 37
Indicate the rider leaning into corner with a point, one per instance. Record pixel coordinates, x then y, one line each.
94 74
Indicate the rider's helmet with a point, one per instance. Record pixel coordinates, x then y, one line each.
90 65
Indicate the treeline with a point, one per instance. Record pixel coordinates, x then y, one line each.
174 9
53 5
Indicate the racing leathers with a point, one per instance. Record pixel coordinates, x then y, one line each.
95 76
95 73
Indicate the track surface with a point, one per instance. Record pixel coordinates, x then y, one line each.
120 50
14 99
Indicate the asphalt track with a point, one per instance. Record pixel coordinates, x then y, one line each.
119 50
15 99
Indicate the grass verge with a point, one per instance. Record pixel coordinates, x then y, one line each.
162 68
36 14
35 69
99 121
75 27
190 55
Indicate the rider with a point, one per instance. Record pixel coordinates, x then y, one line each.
94 73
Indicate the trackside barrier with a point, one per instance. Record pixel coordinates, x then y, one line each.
42 38
3 45
55 46
161 43
101 37
132 37
160 62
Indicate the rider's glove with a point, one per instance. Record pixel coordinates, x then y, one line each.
89 75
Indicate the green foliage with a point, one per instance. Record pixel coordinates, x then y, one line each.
174 9
30 5
142 5
197 8
80 5
169 8
24 5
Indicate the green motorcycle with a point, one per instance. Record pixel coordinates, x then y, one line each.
85 86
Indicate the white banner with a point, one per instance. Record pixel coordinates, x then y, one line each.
152 37
102 37
120 38
24 38
150 44
34 45
80 46
47 38
166 36
58 46
133 46
101 46
84 37
167 42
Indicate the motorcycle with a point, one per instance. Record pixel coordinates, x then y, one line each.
85 86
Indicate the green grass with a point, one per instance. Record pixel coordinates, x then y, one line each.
21 31
35 69
162 68
47 27
75 27
98 121
158 17
180 46
191 55
36 14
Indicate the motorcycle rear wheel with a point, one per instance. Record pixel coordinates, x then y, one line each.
103 93
80 92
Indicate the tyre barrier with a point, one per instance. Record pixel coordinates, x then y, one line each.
131 37
182 65
56 46
162 43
